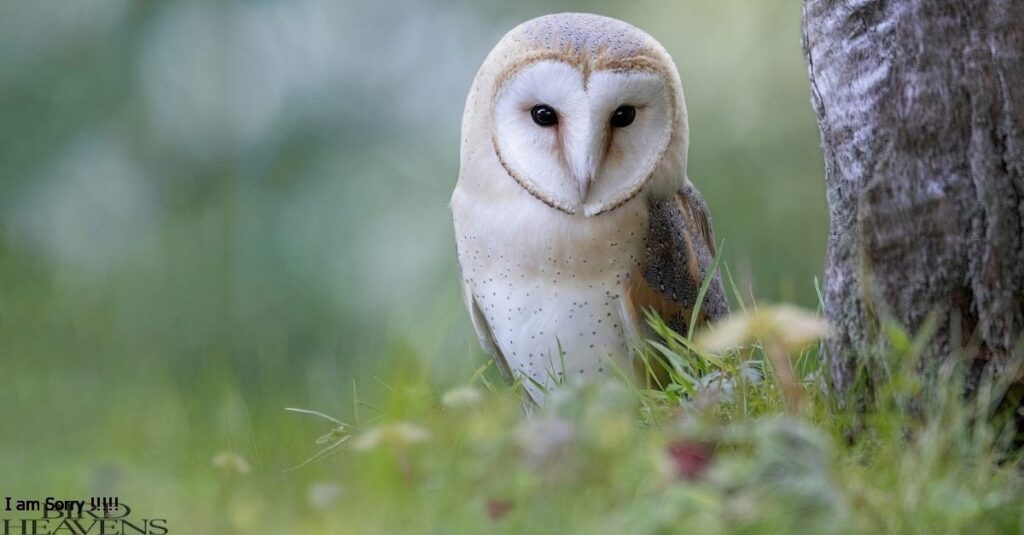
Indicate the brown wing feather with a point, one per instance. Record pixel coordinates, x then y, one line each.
696 211
680 249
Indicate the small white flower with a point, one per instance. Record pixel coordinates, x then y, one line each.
323 494
230 463
544 438
791 326
462 397
397 434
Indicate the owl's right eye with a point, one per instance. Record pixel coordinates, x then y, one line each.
544 115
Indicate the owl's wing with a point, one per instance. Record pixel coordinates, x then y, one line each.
679 252
483 332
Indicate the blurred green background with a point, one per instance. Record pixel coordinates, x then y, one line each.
212 211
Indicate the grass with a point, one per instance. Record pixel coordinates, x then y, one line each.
740 436
720 448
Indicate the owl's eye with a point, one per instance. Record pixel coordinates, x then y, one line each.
544 115
623 116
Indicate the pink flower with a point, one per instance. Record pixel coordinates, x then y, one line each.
498 508
690 459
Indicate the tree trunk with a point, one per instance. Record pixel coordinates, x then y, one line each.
921 110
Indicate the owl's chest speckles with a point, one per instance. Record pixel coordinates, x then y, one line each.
541 323
550 301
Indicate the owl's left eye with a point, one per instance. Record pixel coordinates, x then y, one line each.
544 115
623 116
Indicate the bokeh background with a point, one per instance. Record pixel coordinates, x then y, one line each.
212 211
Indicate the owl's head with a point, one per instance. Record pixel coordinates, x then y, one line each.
582 111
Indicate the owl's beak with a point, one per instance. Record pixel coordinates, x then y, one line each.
586 143
583 181
590 161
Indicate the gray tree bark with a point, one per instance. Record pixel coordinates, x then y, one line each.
921 109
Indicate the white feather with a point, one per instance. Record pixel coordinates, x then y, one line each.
544 266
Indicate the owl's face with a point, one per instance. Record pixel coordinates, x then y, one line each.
583 139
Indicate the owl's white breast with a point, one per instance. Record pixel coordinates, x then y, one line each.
545 279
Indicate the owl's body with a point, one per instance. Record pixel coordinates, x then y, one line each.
572 211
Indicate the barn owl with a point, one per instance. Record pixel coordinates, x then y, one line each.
573 213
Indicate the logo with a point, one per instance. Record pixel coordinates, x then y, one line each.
96 516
